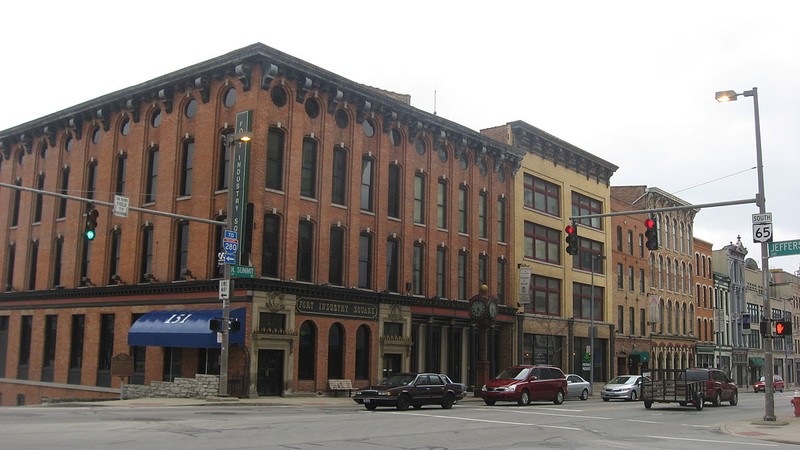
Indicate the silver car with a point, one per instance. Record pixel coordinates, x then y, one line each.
577 387
626 387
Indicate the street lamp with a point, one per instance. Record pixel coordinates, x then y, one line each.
231 140
591 324
769 398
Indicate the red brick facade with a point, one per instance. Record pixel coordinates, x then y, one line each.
277 89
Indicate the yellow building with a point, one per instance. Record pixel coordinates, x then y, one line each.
558 181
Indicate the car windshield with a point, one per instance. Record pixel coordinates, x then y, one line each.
622 380
399 379
762 379
514 373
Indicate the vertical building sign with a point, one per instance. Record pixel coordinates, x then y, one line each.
241 174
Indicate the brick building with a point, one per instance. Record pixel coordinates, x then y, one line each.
369 225
669 272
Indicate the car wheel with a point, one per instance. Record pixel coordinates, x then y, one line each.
524 398
605 399
755 390
698 401
489 402
448 401
648 404
633 397
417 406
781 390
559 398
403 402
682 403
735 399
371 407
585 394
717 399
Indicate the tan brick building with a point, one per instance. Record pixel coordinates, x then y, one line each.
369 225
557 181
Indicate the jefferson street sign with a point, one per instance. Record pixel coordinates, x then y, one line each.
783 248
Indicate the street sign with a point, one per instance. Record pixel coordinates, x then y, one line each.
121 206
242 271
783 248
224 286
230 258
524 285
229 234
230 247
762 228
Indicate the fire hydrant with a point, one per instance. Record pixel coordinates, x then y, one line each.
796 402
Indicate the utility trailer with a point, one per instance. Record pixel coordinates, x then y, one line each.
671 386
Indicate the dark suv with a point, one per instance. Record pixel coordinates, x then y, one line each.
522 384
718 386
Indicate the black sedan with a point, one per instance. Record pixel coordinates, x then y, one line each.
411 389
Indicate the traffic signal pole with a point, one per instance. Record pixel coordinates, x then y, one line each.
111 205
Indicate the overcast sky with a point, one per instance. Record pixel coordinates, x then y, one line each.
628 81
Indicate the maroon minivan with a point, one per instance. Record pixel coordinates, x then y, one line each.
523 384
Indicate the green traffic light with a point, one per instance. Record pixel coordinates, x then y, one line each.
90 234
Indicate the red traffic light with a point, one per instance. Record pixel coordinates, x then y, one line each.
651 233
572 239
780 328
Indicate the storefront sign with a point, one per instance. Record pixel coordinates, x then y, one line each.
335 308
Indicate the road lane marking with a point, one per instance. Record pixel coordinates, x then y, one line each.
495 422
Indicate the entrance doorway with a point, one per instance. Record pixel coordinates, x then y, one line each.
392 364
270 373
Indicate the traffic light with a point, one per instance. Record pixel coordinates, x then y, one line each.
651 233
572 239
783 328
215 324
745 321
91 223
235 325
764 328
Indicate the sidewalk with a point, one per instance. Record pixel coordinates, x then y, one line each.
786 429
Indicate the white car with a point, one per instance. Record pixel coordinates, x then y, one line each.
577 387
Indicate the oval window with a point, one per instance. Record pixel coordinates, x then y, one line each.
420 146
342 119
125 127
396 137
369 128
191 108
312 108
230 98
155 120
279 96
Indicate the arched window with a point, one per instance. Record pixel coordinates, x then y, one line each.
669 317
336 351
362 353
308 351
661 316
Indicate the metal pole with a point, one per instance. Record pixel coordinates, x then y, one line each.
769 398
591 331
226 302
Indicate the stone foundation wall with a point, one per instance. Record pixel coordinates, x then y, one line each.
201 386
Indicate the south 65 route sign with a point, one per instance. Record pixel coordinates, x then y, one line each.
762 228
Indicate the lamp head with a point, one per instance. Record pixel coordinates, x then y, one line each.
726 96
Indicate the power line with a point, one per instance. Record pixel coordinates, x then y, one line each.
711 181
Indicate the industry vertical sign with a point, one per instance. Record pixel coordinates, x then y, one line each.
241 174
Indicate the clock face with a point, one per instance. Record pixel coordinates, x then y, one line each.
492 309
477 309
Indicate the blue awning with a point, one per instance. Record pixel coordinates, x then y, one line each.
182 329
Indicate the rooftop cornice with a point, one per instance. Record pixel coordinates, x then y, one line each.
273 63
551 148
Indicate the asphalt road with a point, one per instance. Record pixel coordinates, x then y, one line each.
470 424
